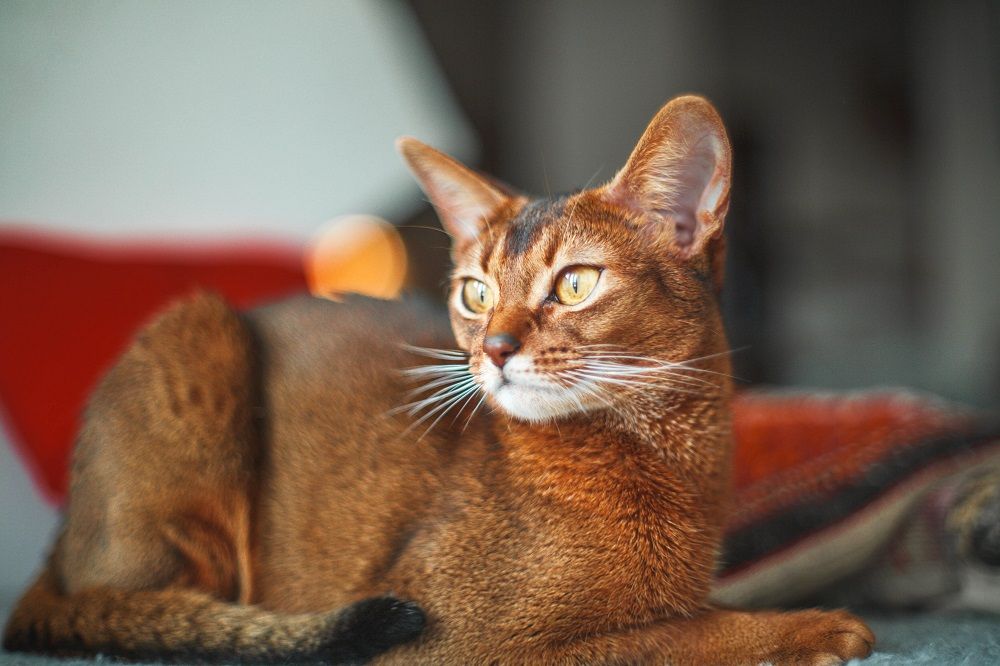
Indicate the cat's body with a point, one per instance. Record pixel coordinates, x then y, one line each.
260 460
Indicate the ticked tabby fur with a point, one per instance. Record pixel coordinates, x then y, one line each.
266 485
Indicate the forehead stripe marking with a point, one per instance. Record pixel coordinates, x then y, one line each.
485 256
525 228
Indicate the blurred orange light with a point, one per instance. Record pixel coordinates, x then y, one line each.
360 254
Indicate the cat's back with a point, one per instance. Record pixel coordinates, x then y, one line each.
342 474
307 344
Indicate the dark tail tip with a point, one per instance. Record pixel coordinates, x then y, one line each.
372 626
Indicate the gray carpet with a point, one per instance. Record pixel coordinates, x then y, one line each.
931 638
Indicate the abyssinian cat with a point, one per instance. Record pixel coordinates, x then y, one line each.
246 487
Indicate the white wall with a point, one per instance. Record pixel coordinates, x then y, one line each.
184 116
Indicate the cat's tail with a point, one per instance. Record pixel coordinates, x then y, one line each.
183 624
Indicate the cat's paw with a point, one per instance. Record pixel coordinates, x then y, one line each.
371 626
823 638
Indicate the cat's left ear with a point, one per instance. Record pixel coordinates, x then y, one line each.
464 200
679 174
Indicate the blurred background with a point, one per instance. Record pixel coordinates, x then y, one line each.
148 147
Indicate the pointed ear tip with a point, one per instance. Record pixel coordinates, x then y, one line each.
695 107
407 145
694 110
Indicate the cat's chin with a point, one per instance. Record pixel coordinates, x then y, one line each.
535 404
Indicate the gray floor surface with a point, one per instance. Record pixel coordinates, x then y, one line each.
928 638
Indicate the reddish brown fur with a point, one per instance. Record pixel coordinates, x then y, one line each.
254 461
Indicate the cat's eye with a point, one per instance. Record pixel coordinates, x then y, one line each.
476 296
575 283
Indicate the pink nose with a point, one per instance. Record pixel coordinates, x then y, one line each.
500 347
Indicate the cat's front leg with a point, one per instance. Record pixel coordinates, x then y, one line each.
728 637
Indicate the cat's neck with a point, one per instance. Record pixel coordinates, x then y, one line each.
655 493
663 444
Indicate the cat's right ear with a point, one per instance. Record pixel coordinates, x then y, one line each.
463 199
678 175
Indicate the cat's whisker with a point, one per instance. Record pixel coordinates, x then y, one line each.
414 407
474 410
594 390
670 369
434 381
424 226
713 372
440 400
655 382
431 352
445 408
619 349
644 373
658 363
465 403
445 369
572 394
424 388
445 393
653 377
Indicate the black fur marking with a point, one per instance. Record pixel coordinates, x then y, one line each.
524 229
372 626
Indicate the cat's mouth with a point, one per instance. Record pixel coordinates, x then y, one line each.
534 403
523 392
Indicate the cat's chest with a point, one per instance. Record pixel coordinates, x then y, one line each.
517 559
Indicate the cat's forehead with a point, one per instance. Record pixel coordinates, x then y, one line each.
527 228
533 237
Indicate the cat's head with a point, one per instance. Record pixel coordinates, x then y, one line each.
579 302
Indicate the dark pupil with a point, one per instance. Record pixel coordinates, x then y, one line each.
481 292
574 281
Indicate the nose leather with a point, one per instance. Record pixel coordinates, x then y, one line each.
500 347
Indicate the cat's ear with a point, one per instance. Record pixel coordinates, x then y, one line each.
679 174
464 199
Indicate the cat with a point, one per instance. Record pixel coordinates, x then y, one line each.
248 487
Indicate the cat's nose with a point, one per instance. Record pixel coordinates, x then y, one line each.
500 347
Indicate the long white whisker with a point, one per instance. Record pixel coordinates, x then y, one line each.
443 394
444 409
620 350
461 407
441 381
616 369
656 363
435 410
474 410
592 389
443 354
655 382
445 369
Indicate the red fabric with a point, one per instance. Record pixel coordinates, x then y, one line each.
789 445
68 308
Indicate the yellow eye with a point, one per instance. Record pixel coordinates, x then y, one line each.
477 296
575 284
